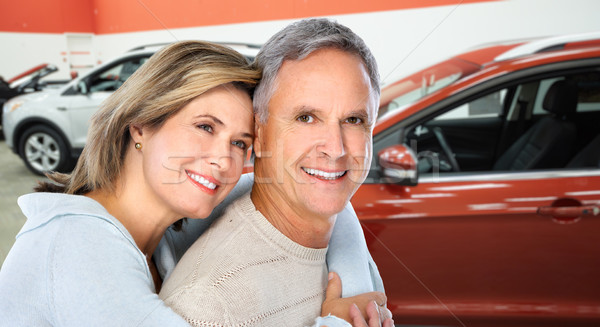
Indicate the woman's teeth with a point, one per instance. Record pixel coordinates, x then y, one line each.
203 181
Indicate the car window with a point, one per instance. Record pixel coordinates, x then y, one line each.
429 84
487 106
589 93
112 78
423 83
510 130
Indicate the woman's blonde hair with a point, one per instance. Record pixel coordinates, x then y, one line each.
167 82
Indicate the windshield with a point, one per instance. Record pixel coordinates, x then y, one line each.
422 83
34 73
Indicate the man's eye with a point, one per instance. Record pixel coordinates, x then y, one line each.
206 127
306 118
240 144
354 120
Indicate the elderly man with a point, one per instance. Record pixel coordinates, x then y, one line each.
263 262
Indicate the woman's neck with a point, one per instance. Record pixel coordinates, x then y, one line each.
143 218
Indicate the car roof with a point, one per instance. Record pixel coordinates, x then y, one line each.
513 56
247 49
550 44
494 53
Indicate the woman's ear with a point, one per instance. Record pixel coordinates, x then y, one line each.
258 137
136 132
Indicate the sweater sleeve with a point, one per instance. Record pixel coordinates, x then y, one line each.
349 256
331 321
97 277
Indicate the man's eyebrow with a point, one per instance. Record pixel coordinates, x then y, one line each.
360 113
306 109
213 118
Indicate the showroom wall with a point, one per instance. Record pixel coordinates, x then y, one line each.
404 35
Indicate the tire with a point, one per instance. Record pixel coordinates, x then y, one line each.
43 150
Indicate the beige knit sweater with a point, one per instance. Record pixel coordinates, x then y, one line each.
244 272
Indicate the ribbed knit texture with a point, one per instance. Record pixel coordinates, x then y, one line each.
244 272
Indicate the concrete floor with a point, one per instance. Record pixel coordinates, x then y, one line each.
15 180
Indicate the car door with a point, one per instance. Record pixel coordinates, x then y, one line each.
100 85
480 246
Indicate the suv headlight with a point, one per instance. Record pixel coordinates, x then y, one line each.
12 105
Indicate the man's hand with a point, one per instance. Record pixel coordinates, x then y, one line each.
353 309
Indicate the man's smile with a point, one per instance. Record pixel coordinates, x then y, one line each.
324 175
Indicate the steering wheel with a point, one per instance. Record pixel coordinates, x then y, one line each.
446 148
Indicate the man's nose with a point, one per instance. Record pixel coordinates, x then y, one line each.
332 144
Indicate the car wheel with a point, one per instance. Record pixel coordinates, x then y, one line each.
44 150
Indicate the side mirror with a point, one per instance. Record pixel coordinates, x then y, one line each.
398 164
82 87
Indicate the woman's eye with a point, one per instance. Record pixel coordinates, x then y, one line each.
306 118
354 120
206 127
240 144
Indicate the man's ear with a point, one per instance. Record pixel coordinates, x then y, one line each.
258 137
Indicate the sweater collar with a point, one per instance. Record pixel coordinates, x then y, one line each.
245 207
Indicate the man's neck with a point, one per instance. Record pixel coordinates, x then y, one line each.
303 228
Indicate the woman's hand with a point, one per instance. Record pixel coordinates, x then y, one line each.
354 309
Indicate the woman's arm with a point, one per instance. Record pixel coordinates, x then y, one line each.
98 277
349 257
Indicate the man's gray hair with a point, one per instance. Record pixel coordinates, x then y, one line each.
296 42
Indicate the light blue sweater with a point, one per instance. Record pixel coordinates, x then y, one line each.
73 264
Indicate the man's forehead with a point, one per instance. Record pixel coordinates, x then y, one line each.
326 80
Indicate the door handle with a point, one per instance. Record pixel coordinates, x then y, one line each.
62 108
569 212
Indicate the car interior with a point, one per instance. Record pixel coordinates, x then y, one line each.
110 80
548 143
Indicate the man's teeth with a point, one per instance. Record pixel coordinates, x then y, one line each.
323 174
203 181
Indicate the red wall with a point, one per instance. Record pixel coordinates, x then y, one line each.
114 16
47 16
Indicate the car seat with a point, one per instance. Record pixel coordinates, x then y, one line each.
588 157
548 143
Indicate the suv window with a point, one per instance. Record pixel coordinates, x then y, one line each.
509 130
112 78
487 106
423 83
589 93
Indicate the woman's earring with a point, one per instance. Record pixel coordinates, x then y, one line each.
138 145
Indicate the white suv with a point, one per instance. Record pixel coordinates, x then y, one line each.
48 129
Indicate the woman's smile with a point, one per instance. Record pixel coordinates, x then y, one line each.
204 182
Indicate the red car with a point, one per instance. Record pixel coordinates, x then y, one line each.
482 206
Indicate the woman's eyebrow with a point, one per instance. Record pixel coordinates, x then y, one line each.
213 118
220 122
248 135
